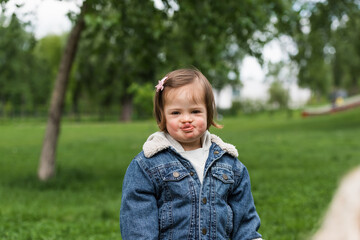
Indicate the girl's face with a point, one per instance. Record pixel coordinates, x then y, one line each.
185 115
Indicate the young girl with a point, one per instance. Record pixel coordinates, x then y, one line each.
187 183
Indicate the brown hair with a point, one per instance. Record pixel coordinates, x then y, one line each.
179 78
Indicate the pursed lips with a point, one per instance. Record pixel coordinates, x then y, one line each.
187 127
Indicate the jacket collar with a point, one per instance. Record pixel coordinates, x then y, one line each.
160 141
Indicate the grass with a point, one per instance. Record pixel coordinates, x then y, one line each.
295 165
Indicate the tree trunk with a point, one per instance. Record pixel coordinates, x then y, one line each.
126 99
46 168
127 107
354 90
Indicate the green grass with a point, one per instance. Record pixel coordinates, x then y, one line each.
294 164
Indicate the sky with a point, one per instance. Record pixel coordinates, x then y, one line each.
50 17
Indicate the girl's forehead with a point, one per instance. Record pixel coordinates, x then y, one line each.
193 93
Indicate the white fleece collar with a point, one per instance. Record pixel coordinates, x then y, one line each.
159 141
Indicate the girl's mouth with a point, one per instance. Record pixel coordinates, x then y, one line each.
187 127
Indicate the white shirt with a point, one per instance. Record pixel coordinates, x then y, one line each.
196 157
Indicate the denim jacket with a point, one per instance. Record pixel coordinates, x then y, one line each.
162 197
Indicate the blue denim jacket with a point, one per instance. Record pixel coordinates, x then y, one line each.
162 197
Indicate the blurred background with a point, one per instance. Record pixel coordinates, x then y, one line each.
285 74
301 51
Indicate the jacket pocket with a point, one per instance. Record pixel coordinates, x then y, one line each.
175 175
176 182
223 180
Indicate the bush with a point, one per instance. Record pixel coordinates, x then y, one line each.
143 100
248 106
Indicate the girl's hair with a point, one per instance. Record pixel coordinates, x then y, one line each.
179 78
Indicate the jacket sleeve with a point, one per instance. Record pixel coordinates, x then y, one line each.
245 218
138 212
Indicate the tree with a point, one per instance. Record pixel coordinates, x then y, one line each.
47 160
47 55
120 46
280 74
48 50
345 49
215 36
327 34
135 42
279 96
129 41
16 64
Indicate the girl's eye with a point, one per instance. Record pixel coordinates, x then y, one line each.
175 113
196 111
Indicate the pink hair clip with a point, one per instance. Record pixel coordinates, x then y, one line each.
160 85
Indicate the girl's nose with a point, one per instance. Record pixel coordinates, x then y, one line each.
186 118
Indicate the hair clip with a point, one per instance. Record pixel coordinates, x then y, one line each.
160 85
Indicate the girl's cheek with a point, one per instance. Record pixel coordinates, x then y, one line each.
172 124
202 120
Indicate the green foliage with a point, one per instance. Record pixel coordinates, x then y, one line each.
214 36
120 46
129 42
294 167
234 110
47 54
16 64
328 50
279 96
143 100
27 68
48 51
135 42
249 106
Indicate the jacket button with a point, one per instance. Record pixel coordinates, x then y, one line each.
176 174
225 176
204 200
191 173
216 152
204 231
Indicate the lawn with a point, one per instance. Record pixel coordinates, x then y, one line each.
295 165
